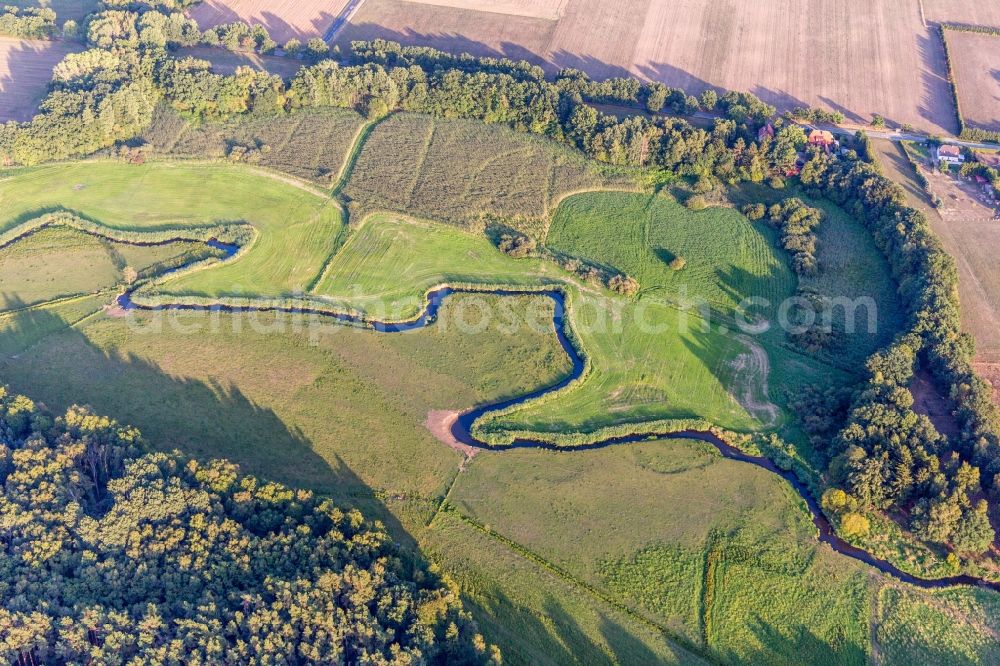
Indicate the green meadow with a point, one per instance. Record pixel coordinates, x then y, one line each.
655 552
298 229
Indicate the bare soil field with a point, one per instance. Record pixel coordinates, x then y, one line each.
976 61
225 61
973 12
284 19
25 71
788 55
543 9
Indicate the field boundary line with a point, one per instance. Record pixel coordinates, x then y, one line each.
351 159
591 590
61 300
418 171
303 185
444 499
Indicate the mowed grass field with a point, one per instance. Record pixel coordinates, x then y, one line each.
788 55
25 72
975 60
727 257
298 228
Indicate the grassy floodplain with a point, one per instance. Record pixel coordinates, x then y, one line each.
297 228
656 552
59 262
650 361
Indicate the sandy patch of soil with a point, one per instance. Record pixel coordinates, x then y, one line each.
439 422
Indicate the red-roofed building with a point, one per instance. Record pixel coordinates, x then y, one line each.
950 154
822 138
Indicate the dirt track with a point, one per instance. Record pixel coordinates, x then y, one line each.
752 371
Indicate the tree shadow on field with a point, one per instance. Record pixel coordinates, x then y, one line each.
936 101
559 638
203 420
799 644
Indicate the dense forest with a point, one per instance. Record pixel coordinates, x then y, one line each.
115 555
879 453
27 22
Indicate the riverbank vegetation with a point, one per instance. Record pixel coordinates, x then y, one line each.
462 141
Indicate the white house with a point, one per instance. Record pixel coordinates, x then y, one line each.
950 154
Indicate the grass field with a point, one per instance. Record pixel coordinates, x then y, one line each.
345 417
25 72
975 60
727 258
951 627
59 262
298 229
651 360
311 144
657 552
786 55
459 171
533 535
682 500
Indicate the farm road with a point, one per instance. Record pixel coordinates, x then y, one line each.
342 19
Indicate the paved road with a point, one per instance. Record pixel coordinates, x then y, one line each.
342 18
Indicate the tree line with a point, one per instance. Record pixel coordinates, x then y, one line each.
886 456
27 22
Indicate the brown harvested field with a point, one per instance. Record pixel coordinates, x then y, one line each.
543 9
973 12
225 61
787 54
25 71
284 19
975 59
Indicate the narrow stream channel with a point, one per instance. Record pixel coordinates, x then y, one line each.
462 429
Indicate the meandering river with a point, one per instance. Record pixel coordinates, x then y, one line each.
462 428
